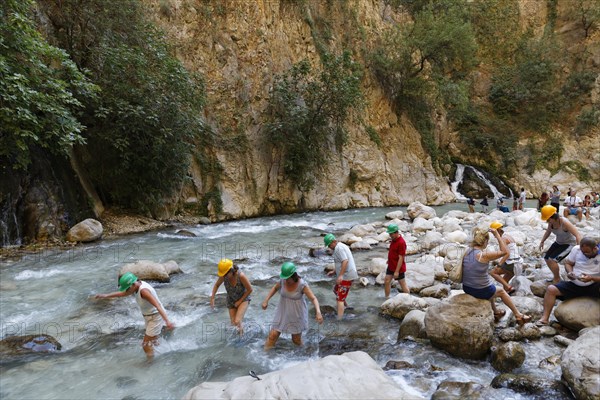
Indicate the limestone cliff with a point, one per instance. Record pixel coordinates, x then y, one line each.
239 46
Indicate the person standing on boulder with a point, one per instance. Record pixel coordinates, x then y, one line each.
396 263
583 270
555 197
291 315
510 264
566 234
345 269
238 289
522 198
150 306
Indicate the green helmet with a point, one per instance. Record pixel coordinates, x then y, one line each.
126 281
328 239
287 269
392 228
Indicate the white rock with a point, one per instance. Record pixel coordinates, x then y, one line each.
417 209
395 215
457 236
352 375
422 225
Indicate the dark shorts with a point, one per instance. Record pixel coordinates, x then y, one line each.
508 268
341 290
558 251
484 294
569 290
555 205
400 275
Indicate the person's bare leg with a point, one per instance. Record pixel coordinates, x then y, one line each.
239 317
272 339
554 267
297 339
497 273
148 345
549 299
387 286
340 310
404 286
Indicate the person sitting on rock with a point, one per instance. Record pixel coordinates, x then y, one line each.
573 206
583 270
476 280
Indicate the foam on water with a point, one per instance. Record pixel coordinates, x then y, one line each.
29 274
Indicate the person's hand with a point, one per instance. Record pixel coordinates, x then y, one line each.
585 278
541 245
329 273
493 232
338 280
265 304
170 326
319 318
100 296
571 275
237 303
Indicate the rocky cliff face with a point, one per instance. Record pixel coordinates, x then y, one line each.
239 47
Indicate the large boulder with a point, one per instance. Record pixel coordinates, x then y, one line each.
461 325
152 271
421 273
580 364
507 356
401 304
451 390
378 265
422 225
416 209
352 375
578 313
87 230
413 326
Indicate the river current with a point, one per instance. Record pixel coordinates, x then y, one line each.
50 292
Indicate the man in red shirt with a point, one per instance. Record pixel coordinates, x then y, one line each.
396 266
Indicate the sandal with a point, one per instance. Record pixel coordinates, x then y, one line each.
499 314
511 290
523 319
541 323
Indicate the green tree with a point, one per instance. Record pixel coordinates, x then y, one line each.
147 119
308 110
39 90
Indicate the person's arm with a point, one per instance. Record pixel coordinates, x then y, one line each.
113 294
569 265
308 293
546 234
248 288
487 256
398 266
271 293
342 271
504 257
588 278
146 295
572 229
214 291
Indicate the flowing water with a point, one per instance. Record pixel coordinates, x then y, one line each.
49 292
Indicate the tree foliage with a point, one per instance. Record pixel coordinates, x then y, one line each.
143 126
40 90
308 110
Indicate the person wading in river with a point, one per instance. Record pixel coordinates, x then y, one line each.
150 306
345 269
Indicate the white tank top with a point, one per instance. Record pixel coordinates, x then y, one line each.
145 307
513 256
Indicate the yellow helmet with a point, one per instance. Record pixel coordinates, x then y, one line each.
547 212
496 225
224 266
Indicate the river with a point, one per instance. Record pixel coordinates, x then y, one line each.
49 292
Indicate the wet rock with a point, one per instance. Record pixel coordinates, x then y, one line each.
126 381
507 356
528 331
377 266
550 363
529 306
580 365
416 209
204 221
438 291
152 271
578 313
20 345
563 341
87 230
185 233
328 312
522 286
537 387
413 326
401 304
363 281
547 330
452 390
398 365
461 325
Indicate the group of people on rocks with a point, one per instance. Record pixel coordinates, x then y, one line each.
582 264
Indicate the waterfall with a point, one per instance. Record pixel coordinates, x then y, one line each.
458 178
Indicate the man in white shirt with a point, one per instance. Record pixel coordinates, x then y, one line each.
573 206
345 269
583 269
522 198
